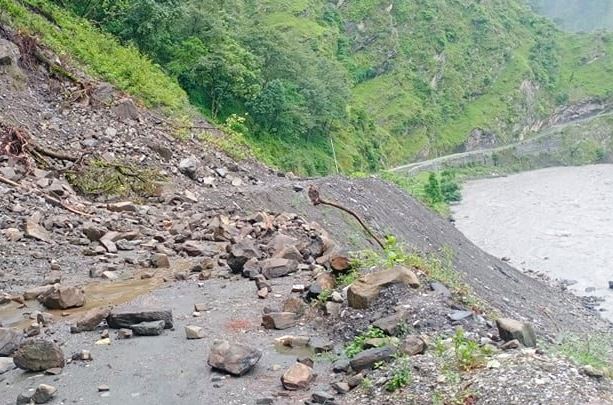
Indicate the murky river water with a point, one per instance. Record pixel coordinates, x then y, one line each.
558 221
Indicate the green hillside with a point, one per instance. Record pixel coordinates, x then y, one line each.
374 83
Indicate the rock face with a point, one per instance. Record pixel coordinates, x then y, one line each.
233 358
367 288
126 318
152 328
91 320
38 355
278 267
297 377
10 340
63 297
279 320
368 358
510 329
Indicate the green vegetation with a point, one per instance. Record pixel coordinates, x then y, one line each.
588 350
355 87
357 344
99 53
401 376
468 353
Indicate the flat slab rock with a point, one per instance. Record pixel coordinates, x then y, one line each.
127 317
368 358
233 358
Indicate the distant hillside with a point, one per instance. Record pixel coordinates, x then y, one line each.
578 15
371 83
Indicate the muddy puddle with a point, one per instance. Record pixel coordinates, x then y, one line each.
97 294
558 221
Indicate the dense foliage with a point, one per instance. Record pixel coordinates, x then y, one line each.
363 84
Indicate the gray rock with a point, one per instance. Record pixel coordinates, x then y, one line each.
38 355
10 339
119 319
152 328
160 260
278 267
6 364
35 231
394 324
341 387
194 332
189 167
368 358
341 366
440 289
459 315
44 393
322 397
90 320
233 358
240 253
510 329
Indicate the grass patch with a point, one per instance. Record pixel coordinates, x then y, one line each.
594 350
96 52
401 376
357 344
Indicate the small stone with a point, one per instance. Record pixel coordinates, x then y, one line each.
591 371
152 328
125 333
160 260
294 304
298 288
201 307
264 401
103 388
355 380
54 371
263 293
124 206
307 361
103 342
413 345
341 387
293 341
511 344
298 376
34 230
53 277
320 345
194 332
341 366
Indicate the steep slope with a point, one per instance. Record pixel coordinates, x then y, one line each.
367 84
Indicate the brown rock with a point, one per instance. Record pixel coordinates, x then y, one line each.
90 320
297 377
367 288
289 252
38 355
294 304
63 297
53 277
413 345
340 264
326 281
279 320
34 293
108 241
160 260
35 231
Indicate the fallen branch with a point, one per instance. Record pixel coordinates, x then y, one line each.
46 196
316 200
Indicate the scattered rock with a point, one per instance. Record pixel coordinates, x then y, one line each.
103 388
60 297
459 315
321 397
340 264
511 344
90 320
440 289
233 358
297 377
123 206
160 260
368 358
194 332
278 267
341 366
341 387
126 318
10 340
510 329
38 355
34 293
53 277
295 305
394 324
240 253
151 328
279 320
125 333
261 282
367 288
189 167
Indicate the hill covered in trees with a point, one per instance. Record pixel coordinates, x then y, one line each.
361 85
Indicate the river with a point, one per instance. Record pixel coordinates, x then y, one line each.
558 221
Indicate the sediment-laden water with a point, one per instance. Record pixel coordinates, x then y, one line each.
558 221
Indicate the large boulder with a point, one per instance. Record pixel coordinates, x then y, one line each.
510 329
125 318
233 358
297 377
10 340
39 355
278 267
240 253
367 288
60 297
